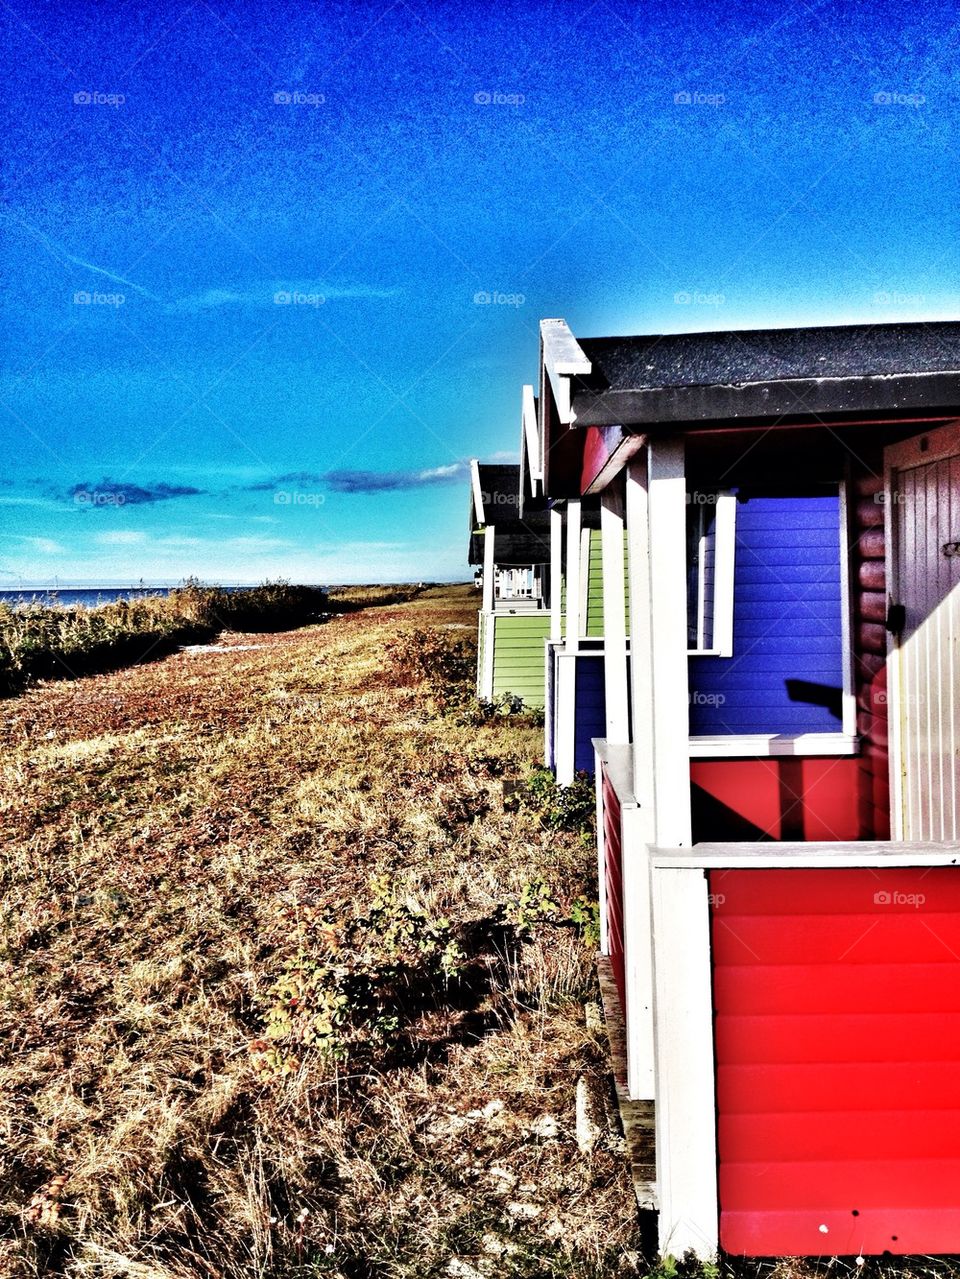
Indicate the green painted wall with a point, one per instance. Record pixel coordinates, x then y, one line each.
518 657
481 646
594 619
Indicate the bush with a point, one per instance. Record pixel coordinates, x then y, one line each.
559 807
358 984
434 658
49 642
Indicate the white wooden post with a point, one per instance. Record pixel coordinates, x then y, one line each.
614 615
489 567
572 629
565 700
638 829
489 617
641 669
656 522
556 573
667 511
686 1109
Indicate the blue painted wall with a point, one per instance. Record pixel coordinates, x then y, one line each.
786 624
591 713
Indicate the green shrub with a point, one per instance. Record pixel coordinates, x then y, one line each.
358 984
559 807
49 642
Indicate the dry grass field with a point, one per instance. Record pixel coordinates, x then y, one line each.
292 972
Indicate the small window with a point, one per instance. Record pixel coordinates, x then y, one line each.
711 533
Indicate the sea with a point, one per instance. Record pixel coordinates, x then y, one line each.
87 597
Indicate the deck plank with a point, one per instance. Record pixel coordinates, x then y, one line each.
636 1117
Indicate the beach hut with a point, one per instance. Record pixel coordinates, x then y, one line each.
779 775
574 684
513 553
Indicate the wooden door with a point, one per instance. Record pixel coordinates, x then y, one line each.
923 525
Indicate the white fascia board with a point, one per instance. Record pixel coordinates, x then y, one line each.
477 491
531 436
563 359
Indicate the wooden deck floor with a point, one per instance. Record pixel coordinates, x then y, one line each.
637 1117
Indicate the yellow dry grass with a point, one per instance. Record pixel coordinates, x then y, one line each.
168 832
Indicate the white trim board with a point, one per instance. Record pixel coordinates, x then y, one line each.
530 430
765 855
477 491
563 359
746 745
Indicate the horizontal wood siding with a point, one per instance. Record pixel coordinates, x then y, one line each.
593 624
837 1034
518 656
591 709
786 672
594 618
613 875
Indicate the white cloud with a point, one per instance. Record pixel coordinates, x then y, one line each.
263 294
44 545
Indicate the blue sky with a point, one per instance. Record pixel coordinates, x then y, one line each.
242 245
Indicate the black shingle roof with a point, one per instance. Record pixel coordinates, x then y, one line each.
519 541
769 372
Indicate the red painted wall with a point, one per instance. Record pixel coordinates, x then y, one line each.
613 872
791 797
837 1001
